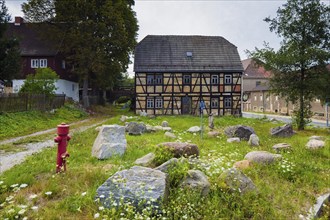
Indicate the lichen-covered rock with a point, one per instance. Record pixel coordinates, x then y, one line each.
146 160
241 131
213 133
194 129
281 147
254 140
165 166
262 157
110 141
164 124
196 180
135 128
236 180
315 144
170 135
242 164
282 131
141 186
181 149
234 139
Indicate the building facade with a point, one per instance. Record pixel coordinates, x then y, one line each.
36 52
176 75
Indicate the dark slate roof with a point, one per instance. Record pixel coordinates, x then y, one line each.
168 53
30 41
252 70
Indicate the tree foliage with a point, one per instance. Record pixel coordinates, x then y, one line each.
97 36
42 82
9 48
299 66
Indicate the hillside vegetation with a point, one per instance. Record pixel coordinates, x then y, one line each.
286 190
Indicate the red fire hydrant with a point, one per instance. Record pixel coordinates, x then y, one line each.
62 140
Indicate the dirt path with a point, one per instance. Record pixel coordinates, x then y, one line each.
8 160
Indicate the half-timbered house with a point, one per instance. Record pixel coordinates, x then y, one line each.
174 74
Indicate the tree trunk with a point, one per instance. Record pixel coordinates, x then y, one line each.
85 93
301 122
104 96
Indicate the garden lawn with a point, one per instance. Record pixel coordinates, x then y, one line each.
286 189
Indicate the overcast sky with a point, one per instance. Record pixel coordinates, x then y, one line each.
239 21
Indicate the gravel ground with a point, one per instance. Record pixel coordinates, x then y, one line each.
8 160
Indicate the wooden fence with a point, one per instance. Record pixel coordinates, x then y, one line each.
27 102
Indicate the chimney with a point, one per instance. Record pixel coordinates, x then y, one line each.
18 21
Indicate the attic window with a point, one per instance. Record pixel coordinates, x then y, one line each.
189 54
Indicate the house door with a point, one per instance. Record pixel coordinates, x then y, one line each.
186 105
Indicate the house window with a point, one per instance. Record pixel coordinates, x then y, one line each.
43 63
34 63
158 79
258 83
214 103
150 79
215 79
159 103
276 98
228 79
186 79
227 102
150 103
255 98
260 97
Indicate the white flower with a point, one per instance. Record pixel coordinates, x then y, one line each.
101 208
48 193
102 196
23 206
96 215
14 185
21 212
25 218
33 196
34 207
23 185
10 211
83 194
9 198
1 182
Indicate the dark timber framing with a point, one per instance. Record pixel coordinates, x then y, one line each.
165 91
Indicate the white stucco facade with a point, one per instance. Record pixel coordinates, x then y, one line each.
69 88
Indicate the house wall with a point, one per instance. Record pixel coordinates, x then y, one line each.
69 88
250 83
263 101
173 91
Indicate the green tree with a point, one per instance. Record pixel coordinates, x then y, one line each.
97 36
9 48
299 66
42 82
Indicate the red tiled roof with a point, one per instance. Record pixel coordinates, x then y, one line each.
251 69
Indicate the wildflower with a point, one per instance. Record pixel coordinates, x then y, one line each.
9 198
83 194
96 215
21 212
101 208
34 208
48 193
23 185
102 196
11 211
14 185
1 182
33 196
25 218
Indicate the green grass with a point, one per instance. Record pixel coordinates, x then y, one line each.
23 123
285 190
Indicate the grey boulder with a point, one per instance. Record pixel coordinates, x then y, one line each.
282 131
181 149
146 160
315 144
140 186
110 141
241 131
135 128
236 180
196 180
254 140
194 129
281 147
262 157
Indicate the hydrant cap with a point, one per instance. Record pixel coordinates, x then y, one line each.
62 129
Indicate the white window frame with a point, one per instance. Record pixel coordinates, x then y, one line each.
227 102
228 79
214 102
260 97
214 79
255 98
43 63
34 63
150 103
159 103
